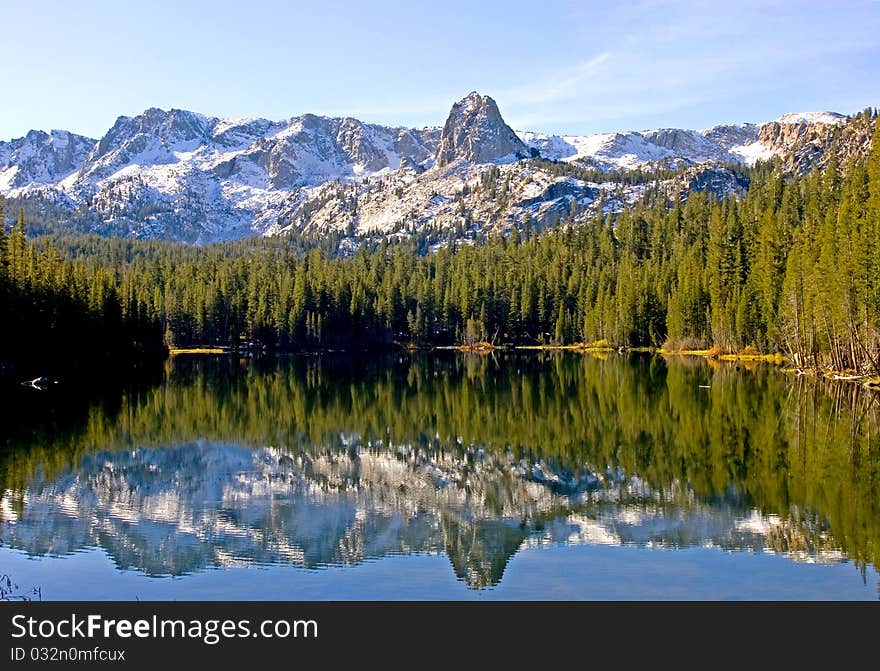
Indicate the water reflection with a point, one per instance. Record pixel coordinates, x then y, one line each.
314 462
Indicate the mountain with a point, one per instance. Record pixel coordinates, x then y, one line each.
733 143
475 132
41 158
178 175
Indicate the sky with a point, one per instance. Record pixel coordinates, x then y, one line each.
557 67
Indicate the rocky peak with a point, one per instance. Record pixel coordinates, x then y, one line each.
172 128
309 150
151 138
358 146
806 140
42 158
672 138
475 132
791 129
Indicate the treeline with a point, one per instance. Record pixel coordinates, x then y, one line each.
792 266
59 314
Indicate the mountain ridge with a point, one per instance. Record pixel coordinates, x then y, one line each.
190 177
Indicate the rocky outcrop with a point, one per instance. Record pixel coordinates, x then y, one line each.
475 132
801 140
717 180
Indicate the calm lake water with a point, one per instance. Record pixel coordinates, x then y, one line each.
443 476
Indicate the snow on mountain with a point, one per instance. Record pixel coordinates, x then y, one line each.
462 197
154 138
828 118
752 152
311 150
615 151
41 158
629 150
184 176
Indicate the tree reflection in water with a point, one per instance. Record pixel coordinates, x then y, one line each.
316 461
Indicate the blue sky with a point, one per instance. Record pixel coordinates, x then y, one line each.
564 67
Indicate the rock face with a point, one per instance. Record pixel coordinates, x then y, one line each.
789 131
808 140
475 132
728 136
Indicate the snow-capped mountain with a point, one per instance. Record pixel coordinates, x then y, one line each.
41 158
257 152
629 150
183 176
743 143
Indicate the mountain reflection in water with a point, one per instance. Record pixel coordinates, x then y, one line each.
316 462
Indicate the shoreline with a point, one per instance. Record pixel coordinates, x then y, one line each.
484 348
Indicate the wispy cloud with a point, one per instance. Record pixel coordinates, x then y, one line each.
664 62
560 84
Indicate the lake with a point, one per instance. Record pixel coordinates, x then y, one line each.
551 476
